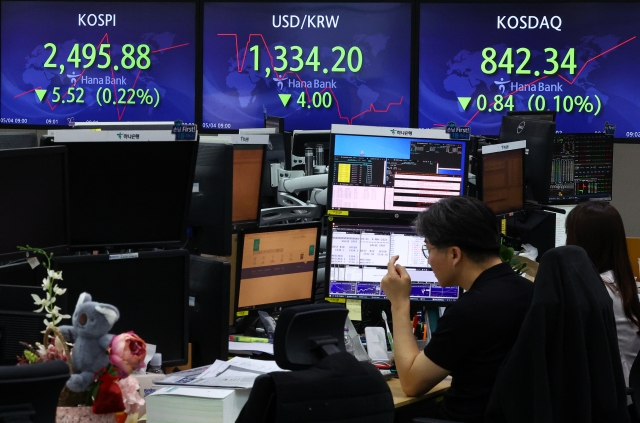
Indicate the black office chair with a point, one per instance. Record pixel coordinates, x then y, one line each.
633 390
327 384
30 392
565 364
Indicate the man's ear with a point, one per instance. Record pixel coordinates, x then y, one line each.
456 254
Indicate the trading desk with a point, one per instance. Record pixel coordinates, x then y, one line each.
408 408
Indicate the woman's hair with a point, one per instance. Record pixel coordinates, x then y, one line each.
597 227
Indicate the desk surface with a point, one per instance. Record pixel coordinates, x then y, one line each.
400 399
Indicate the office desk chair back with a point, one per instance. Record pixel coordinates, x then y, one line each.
634 389
327 384
565 364
30 392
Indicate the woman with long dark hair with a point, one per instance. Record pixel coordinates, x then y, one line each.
597 227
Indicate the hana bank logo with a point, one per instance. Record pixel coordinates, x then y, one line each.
520 127
399 132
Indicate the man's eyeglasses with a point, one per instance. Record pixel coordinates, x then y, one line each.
425 251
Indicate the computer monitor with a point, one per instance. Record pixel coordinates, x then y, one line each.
502 179
34 198
247 177
311 139
211 200
581 168
209 281
105 61
276 266
548 115
18 140
150 290
539 137
358 252
392 172
130 194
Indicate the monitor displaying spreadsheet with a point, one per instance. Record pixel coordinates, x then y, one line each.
358 258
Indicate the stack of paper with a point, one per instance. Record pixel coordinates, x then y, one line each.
195 405
236 373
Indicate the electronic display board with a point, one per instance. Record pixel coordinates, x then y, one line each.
312 63
481 60
97 61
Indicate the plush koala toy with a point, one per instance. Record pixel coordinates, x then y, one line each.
91 323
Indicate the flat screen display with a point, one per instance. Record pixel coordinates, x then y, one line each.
359 257
119 191
581 168
481 60
152 277
313 64
97 62
247 173
29 179
375 174
277 266
503 177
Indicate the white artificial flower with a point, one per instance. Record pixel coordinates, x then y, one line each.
38 301
59 291
54 275
46 283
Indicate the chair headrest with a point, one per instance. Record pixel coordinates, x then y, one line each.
301 328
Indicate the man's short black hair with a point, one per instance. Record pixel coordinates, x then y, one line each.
464 222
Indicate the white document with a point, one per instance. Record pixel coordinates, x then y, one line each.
260 366
561 219
214 370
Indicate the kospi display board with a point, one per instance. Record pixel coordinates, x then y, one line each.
97 61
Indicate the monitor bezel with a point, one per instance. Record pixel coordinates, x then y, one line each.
148 255
380 131
533 114
381 222
50 150
238 272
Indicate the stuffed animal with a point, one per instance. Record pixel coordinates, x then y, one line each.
89 334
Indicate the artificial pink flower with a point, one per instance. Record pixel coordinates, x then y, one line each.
130 397
127 352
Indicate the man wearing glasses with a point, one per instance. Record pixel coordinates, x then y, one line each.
462 244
